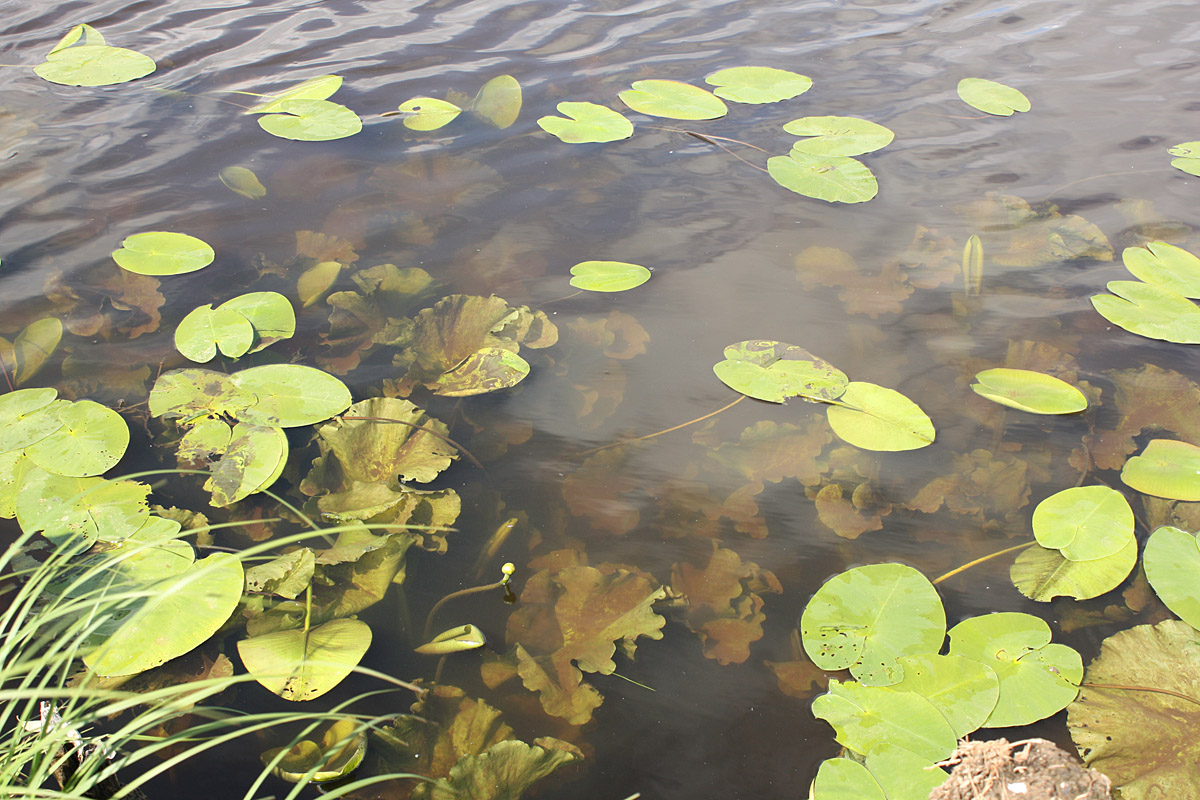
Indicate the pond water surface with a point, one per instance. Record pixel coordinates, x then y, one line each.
874 288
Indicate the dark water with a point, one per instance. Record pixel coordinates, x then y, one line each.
1113 84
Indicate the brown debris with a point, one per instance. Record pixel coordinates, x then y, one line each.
1031 769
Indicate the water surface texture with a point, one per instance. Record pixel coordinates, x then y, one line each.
874 288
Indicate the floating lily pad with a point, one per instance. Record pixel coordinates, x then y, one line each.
252 461
1150 311
774 371
588 122
290 395
269 313
428 113
866 618
903 774
608 276
1029 391
1172 563
83 509
318 88
758 84
197 393
673 100
834 179
991 97
877 418
1188 157
163 253
93 63
311 121
205 330
845 779
1165 468
91 440
865 717
498 103
303 665
243 181
838 136
25 417
964 690
1084 522
1165 265
1042 574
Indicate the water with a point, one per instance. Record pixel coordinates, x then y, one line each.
508 212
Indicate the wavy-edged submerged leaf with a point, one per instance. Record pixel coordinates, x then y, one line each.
505 771
1146 742
586 122
252 461
965 691
673 100
86 509
865 717
91 440
318 88
303 665
1037 678
339 752
1084 522
1030 391
428 113
1151 311
26 417
608 276
838 136
865 618
163 253
1165 468
454 640
877 418
1172 563
290 395
845 779
1187 157
498 102
33 347
991 97
834 179
488 369
311 121
94 65
1042 574
758 85
774 371
243 181
1165 265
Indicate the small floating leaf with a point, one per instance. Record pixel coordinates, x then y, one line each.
865 717
290 395
845 779
1166 468
903 774
25 417
588 122
303 665
1188 157
758 84
1029 391
204 331
673 100
877 418
91 440
83 509
991 97
455 640
1172 563
774 371
428 113
1165 265
1042 574
94 65
243 181
834 179
318 88
163 253
608 276
1150 311
311 121
838 136
498 102
1084 522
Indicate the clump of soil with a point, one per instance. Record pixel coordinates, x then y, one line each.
1033 769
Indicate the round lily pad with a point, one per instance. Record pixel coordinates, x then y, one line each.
588 122
758 84
866 717
991 97
91 440
303 665
1165 265
608 276
673 100
834 179
774 371
1042 574
877 418
1152 311
94 65
1029 391
1188 157
25 417
1084 522
838 136
163 253
311 121
428 113
964 690
1172 563
1165 468
290 395
204 331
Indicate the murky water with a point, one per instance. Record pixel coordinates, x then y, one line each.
508 212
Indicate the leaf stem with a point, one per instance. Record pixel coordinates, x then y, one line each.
1139 689
982 559
4 368
503 582
668 430
423 429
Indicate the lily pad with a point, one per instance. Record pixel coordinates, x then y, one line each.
163 253
1150 311
866 717
206 330
838 136
758 85
673 100
866 618
1165 265
991 97
93 63
194 393
845 779
498 103
319 88
269 313
1037 678
1172 563
877 418
253 460
1165 468
242 181
428 113
1030 391
303 665
26 417
90 440
1042 574
903 774
84 509
834 179
1084 522
338 753
1188 157
311 121
774 371
964 690
290 395
608 276
587 122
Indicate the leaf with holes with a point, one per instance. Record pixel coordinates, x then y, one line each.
774 371
90 440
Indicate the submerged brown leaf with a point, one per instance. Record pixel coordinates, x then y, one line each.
373 315
323 247
1016 234
724 600
107 300
597 491
979 484
862 292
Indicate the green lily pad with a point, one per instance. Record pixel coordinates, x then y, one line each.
151 553
1037 678
876 418
1172 563
339 752
176 615
1029 391
428 113
965 691
290 395
14 467
85 509
588 122
845 779
205 330
865 717
903 774
311 121
1150 311
1165 468
318 88
163 253
34 346
455 640
838 136
252 461
866 618
1042 574
303 665
608 276
26 417
673 100
269 313
91 440
1147 742
834 179
1188 157
774 371
1084 522
498 103
991 97
1165 265
287 575
242 181
197 393
94 65
758 84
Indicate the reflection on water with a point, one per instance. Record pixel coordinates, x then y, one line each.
875 288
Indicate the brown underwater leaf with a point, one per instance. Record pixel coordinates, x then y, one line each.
504 772
979 484
107 300
771 451
372 315
323 247
1019 235
596 491
724 601
862 292
851 517
618 335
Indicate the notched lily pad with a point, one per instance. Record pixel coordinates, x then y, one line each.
311 121
586 122
758 84
1151 311
608 276
834 179
1165 468
92 63
838 136
877 418
163 253
428 113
